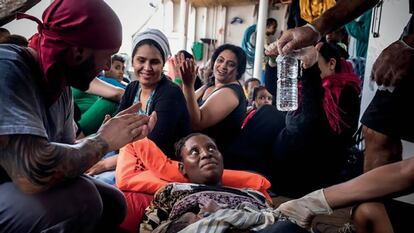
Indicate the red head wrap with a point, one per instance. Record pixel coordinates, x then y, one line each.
333 85
83 23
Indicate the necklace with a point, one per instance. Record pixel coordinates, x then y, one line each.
149 102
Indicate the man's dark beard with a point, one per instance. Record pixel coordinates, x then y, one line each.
81 75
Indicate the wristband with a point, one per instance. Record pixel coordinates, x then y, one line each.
314 29
272 61
178 80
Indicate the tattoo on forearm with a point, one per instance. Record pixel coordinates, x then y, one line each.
33 163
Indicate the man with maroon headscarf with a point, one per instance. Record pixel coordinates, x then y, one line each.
42 188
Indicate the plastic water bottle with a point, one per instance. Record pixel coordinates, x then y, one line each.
287 83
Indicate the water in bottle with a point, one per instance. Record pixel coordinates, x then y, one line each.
287 83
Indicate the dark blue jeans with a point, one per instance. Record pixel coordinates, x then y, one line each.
79 205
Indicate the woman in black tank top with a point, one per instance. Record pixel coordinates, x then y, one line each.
217 109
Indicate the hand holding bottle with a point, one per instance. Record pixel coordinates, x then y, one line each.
297 38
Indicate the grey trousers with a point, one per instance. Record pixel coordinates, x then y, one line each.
79 205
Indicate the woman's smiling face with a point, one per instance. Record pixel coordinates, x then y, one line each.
148 65
225 67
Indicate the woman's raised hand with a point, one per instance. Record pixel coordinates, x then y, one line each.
175 66
188 69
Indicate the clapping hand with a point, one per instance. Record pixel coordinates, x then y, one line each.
127 126
188 69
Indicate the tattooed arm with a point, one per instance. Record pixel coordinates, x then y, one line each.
34 164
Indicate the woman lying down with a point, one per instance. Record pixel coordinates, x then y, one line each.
206 206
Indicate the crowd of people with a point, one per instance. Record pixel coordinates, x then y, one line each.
71 120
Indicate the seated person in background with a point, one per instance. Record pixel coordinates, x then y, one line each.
115 75
319 132
394 119
155 91
248 86
178 205
261 96
219 109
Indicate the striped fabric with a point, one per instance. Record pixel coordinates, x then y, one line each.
245 217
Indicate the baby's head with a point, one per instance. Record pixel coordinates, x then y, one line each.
201 161
261 96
